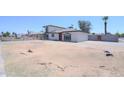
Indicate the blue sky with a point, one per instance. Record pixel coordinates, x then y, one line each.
20 24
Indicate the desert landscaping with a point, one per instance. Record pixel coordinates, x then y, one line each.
63 59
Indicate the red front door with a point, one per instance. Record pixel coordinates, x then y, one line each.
60 36
99 38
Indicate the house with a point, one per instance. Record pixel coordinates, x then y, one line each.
65 34
33 36
36 35
103 37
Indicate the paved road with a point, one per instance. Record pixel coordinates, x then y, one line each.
2 70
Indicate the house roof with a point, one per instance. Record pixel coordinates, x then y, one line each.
63 31
33 33
56 26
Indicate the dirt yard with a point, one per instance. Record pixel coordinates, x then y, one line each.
54 58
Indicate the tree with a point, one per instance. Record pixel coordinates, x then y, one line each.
2 33
93 33
14 34
6 34
105 18
118 34
70 26
122 34
85 26
28 32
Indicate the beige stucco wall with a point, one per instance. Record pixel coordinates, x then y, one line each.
77 36
56 36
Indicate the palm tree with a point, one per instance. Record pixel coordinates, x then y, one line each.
2 33
105 18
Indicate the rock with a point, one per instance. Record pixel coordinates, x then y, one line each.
23 53
106 51
30 51
101 66
109 54
42 63
49 63
62 69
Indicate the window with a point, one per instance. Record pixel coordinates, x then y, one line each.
67 37
52 35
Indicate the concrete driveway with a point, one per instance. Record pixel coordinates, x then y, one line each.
2 70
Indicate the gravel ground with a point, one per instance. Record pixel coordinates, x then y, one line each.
54 58
2 70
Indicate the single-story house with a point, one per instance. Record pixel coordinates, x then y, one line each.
33 36
36 35
65 34
103 37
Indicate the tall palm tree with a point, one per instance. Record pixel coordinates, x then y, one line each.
105 18
2 33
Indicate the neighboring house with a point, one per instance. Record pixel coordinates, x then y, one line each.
65 34
36 35
33 36
103 37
